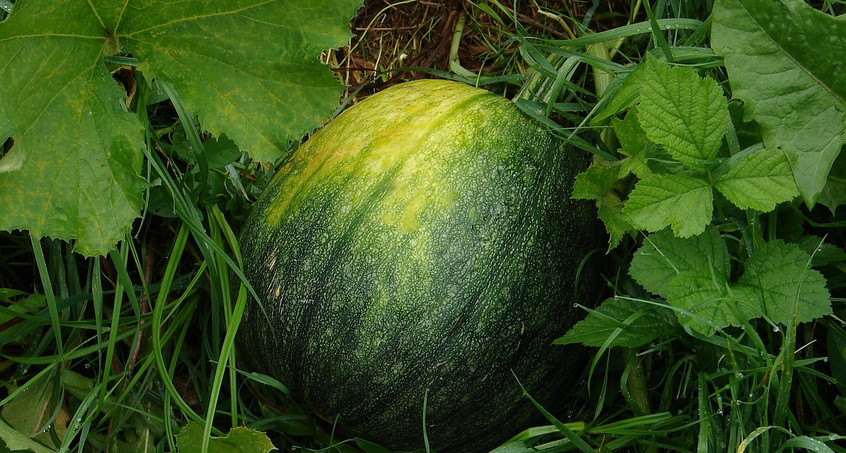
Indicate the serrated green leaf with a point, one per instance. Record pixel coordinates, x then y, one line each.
780 277
634 144
595 182
631 323
663 256
685 203
77 150
239 439
709 303
247 68
616 225
758 180
779 61
682 112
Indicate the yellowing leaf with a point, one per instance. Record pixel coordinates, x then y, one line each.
77 151
240 439
247 68
36 412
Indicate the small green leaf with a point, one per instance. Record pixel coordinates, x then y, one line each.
220 152
663 256
615 223
778 55
684 202
709 303
240 439
634 144
14 440
682 112
758 180
822 253
595 182
630 323
780 278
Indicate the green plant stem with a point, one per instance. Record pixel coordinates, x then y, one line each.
454 62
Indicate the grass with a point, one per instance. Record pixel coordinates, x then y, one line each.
124 350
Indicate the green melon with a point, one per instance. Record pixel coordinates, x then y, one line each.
421 246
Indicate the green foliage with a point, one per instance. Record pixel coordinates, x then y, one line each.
693 275
672 142
777 54
126 351
681 112
621 322
725 271
35 414
683 202
238 439
246 69
757 179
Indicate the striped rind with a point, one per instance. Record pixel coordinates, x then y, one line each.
422 243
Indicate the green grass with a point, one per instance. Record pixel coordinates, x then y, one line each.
124 350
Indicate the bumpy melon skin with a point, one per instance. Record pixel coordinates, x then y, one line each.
422 243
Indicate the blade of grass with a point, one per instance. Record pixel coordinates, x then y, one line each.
114 328
657 34
161 299
48 293
788 356
76 422
576 439
97 296
640 28
225 354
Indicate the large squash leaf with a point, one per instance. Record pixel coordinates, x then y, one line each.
247 68
780 63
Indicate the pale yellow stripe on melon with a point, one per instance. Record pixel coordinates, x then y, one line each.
397 123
